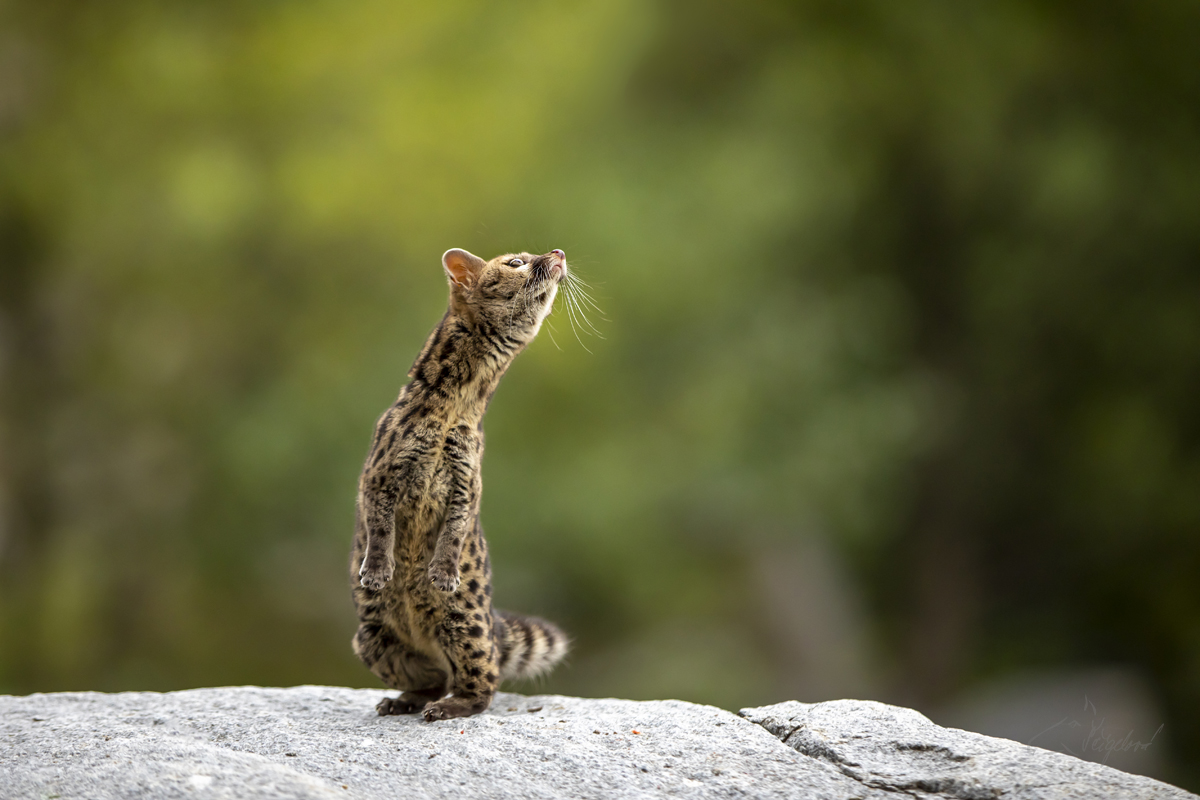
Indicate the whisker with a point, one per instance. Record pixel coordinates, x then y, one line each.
550 333
592 303
585 321
584 291
584 287
576 311
575 277
588 321
573 294
574 326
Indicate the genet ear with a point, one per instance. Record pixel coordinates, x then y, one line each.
462 268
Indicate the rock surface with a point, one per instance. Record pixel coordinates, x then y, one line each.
325 742
900 750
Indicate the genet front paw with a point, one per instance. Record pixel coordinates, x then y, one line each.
375 575
444 576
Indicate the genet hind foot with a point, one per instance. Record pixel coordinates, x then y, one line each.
407 702
455 706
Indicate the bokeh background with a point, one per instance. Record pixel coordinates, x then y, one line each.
898 395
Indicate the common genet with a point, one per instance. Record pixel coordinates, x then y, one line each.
420 562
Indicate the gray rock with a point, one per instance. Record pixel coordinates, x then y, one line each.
324 742
899 750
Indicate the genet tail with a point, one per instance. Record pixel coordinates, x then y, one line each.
529 646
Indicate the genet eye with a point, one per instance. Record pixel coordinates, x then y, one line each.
516 262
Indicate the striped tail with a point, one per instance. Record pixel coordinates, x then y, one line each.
529 646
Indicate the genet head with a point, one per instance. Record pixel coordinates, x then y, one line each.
511 294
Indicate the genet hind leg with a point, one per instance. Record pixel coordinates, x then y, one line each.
469 643
399 667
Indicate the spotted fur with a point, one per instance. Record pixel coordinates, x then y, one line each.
420 564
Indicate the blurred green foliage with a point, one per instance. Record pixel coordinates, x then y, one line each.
914 284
